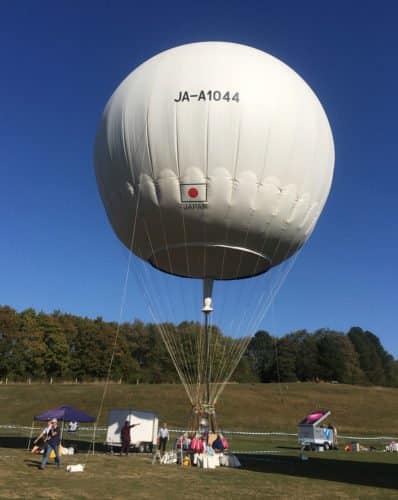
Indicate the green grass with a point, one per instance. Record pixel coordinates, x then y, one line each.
282 476
252 407
256 407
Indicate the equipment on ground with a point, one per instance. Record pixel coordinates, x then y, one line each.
313 436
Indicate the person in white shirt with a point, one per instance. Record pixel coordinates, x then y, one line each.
163 438
41 439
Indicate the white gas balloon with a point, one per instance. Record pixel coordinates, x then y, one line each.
214 160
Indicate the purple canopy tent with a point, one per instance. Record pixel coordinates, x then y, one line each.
64 414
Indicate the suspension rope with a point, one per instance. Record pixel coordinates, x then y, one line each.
186 349
116 337
256 320
175 348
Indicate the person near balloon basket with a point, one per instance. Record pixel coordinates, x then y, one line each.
163 437
218 445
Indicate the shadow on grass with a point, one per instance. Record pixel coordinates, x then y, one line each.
22 443
14 442
33 463
375 474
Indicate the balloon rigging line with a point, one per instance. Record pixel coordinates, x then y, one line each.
190 369
266 299
169 338
257 318
265 239
278 286
183 346
278 282
167 302
272 295
276 354
263 312
116 337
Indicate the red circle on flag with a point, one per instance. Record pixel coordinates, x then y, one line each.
193 192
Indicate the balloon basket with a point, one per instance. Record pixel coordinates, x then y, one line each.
203 420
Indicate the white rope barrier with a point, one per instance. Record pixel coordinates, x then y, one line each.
25 427
226 432
294 434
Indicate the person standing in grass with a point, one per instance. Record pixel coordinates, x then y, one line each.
53 442
163 438
125 437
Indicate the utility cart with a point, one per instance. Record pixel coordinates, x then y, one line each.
314 436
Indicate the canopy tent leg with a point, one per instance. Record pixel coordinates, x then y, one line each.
31 435
93 439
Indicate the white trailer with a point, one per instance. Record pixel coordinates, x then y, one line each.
143 436
311 435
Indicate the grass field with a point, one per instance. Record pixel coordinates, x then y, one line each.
254 407
334 475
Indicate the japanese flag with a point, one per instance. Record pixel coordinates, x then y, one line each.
193 193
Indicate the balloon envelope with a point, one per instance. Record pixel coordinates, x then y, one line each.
214 160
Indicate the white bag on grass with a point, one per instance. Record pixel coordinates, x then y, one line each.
75 468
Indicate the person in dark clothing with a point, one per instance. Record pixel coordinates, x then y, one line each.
53 441
217 445
125 437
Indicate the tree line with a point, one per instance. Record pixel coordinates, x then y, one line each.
355 357
39 346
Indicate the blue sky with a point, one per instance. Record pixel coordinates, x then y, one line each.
61 61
